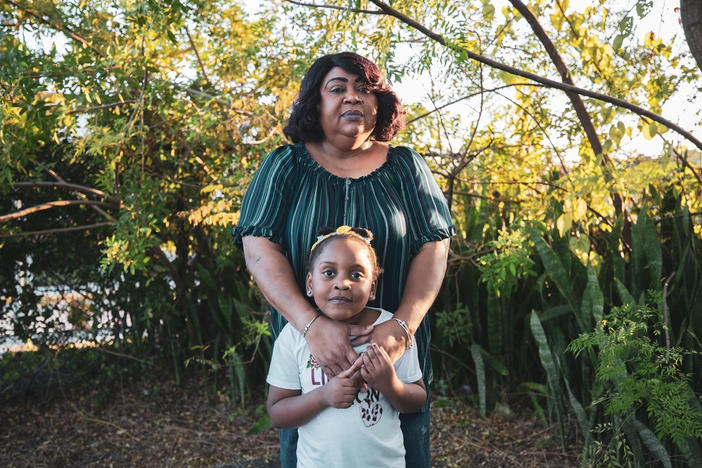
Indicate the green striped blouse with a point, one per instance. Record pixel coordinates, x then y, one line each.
291 196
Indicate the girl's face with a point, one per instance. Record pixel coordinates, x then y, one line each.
341 279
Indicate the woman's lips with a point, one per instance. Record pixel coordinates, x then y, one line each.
352 115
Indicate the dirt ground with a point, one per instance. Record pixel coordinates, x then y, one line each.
154 423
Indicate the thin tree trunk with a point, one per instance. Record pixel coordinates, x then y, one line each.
578 105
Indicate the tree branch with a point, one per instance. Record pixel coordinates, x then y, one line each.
463 98
83 41
685 163
104 106
82 196
58 230
578 105
63 28
539 79
49 205
543 130
199 61
575 100
666 326
77 188
334 7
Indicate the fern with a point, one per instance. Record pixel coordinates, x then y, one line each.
642 374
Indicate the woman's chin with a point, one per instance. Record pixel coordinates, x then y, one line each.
355 132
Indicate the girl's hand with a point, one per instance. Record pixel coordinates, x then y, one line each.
377 369
341 389
391 337
330 344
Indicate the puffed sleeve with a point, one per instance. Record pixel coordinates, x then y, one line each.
429 215
264 207
283 370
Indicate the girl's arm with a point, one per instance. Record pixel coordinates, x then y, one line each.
377 370
424 278
328 340
290 408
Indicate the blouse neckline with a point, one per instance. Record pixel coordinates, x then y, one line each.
311 163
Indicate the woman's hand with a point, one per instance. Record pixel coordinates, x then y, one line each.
391 337
330 343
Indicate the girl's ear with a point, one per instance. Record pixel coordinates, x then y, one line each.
374 286
308 284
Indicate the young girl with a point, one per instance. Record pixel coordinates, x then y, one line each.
351 419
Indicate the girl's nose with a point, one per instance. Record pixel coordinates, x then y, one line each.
342 283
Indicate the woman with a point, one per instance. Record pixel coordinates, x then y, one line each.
340 171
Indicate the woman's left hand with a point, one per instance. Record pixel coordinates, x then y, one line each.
360 338
391 337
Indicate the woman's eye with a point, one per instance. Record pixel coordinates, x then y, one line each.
364 90
336 90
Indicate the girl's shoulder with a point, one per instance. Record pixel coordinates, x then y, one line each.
383 315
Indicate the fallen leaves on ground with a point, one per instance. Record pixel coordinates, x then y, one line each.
152 422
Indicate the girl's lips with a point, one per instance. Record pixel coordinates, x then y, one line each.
340 299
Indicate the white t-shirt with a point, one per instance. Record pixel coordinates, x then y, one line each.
366 434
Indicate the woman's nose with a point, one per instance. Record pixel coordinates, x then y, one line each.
353 96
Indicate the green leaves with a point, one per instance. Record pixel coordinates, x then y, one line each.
642 374
488 11
643 7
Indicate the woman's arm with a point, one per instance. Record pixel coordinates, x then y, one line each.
380 374
328 340
424 278
290 408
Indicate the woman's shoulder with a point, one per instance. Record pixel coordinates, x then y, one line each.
283 154
282 162
406 152
407 159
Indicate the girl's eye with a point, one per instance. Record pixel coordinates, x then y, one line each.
327 273
356 275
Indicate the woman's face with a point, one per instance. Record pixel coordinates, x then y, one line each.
347 107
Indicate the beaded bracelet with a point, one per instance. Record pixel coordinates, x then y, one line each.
309 324
404 326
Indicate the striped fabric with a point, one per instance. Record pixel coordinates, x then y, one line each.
291 196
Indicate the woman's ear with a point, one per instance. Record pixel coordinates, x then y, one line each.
308 284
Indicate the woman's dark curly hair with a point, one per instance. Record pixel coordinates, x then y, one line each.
303 124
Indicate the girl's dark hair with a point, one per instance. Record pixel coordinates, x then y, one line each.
359 234
303 124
